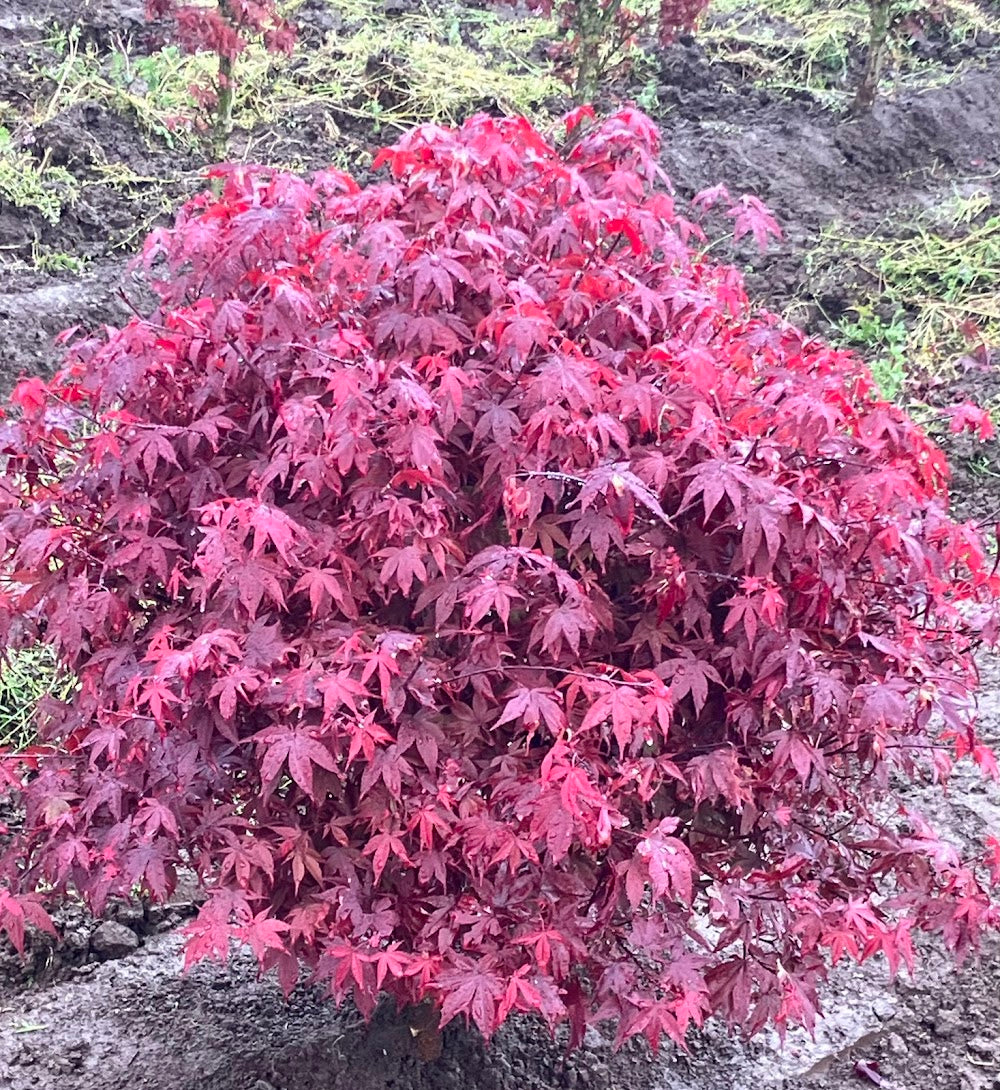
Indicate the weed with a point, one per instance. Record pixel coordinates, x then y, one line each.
808 45
648 98
27 183
393 72
416 67
883 345
154 89
56 261
981 465
943 273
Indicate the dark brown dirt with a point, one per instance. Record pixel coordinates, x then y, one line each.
34 308
79 1017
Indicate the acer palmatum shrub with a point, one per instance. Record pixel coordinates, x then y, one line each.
488 605
223 28
598 34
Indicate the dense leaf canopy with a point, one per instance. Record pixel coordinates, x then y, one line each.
487 604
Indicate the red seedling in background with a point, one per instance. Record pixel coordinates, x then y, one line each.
224 28
599 34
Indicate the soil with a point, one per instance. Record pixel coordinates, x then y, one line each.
102 1011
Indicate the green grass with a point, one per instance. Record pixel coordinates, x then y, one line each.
938 276
882 344
811 45
412 68
154 89
25 677
27 183
45 259
391 72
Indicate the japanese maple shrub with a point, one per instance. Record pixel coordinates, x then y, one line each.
599 33
487 605
223 27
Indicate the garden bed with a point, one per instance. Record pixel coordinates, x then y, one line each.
85 99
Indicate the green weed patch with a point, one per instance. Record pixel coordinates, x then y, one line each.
923 296
27 183
432 64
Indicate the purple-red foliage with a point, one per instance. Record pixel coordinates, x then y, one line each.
223 28
672 17
488 605
676 16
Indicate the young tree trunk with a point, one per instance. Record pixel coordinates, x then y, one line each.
222 126
881 12
595 23
223 123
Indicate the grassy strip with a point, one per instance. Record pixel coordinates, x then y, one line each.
437 63
811 46
925 296
27 183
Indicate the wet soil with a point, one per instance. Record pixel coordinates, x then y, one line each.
94 1017
110 1008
